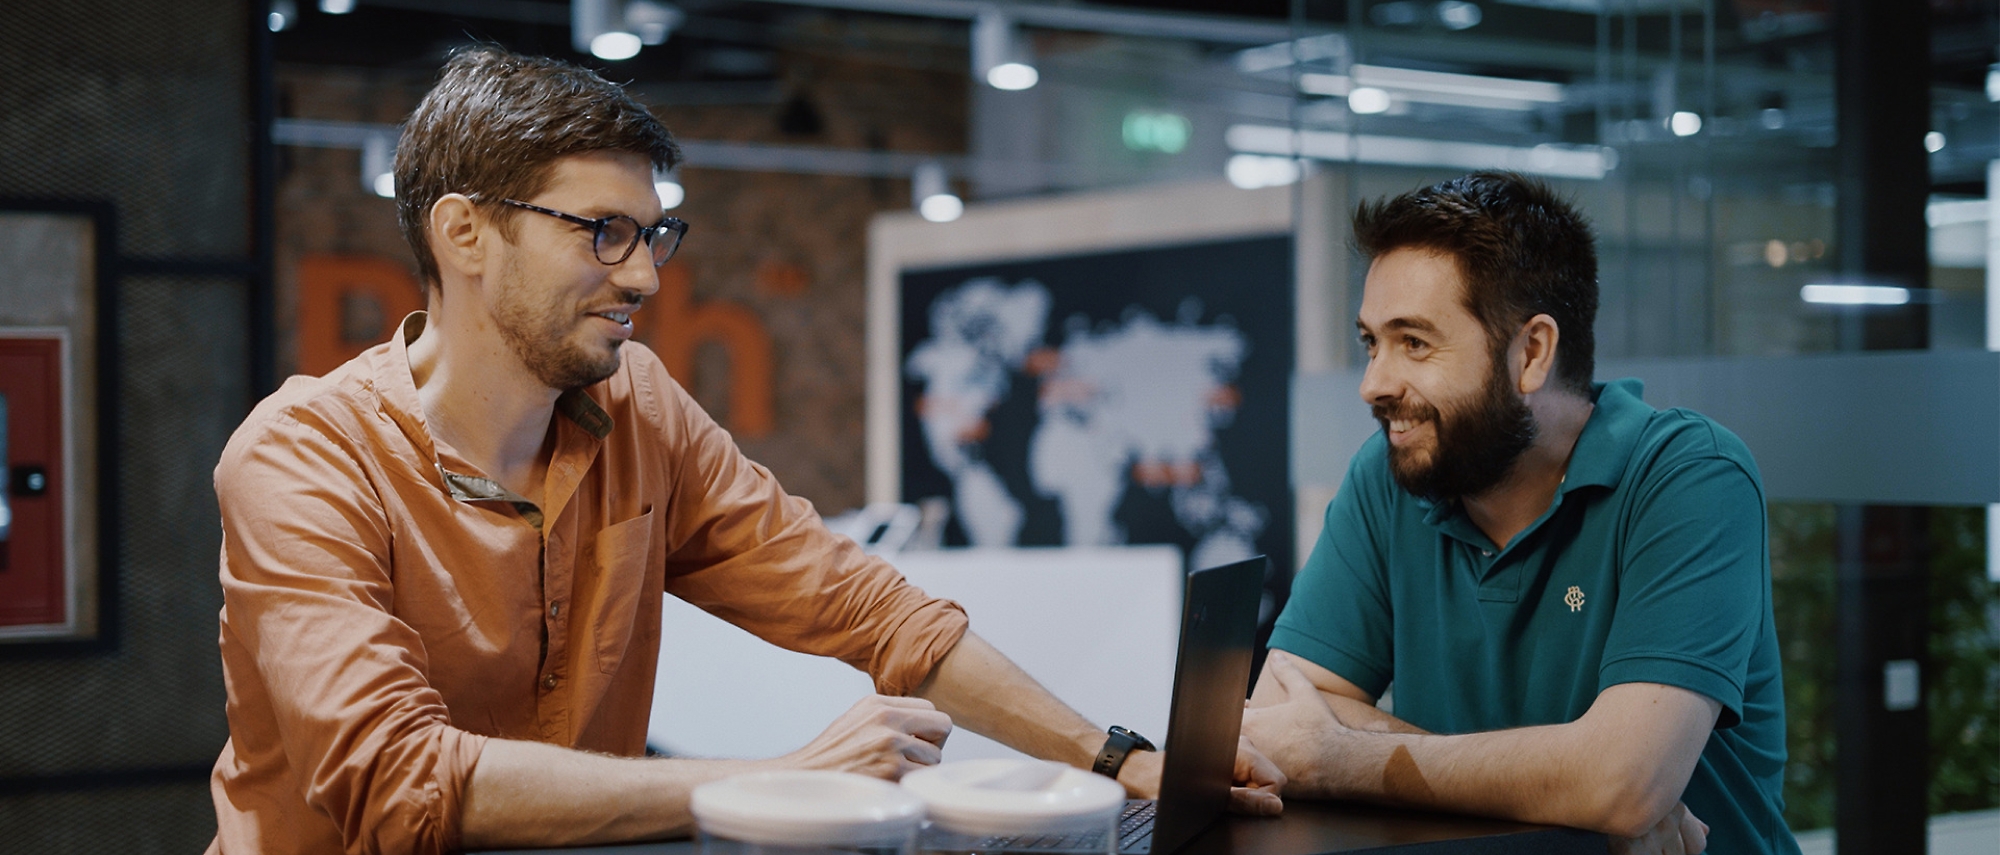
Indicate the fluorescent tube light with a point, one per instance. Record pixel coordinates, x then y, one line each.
1590 162
1855 295
1436 87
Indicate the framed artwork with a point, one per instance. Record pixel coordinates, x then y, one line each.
1090 371
54 346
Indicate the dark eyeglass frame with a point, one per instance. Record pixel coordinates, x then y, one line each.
652 235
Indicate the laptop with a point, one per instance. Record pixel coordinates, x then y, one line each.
1211 679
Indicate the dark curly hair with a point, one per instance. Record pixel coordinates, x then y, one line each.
495 124
1521 248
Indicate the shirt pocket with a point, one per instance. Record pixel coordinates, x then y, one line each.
623 552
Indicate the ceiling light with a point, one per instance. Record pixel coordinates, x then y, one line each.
1368 100
1013 76
930 192
999 55
1934 142
598 27
1457 15
1251 171
652 21
1685 124
378 165
1447 83
283 14
336 7
1561 161
615 45
668 185
1437 87
1855 295
1993 82
942 208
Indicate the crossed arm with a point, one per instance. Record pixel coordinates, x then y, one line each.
1618 769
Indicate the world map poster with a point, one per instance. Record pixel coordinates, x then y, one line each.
1133 396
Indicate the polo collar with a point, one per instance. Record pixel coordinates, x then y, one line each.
1597 460
1609 436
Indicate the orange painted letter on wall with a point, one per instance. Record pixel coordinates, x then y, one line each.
679 325
347 304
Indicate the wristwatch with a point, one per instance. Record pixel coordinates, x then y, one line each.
1117 745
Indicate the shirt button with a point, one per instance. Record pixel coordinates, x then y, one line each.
1486 553
549 682
555 609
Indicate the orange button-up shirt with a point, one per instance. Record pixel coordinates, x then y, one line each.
386 608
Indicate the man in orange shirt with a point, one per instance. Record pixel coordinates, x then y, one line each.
443 562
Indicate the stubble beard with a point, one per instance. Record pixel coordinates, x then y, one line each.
1477 443
540 337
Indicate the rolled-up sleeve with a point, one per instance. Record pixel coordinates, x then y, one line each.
743 550
319 666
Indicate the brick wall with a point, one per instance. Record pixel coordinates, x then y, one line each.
788 248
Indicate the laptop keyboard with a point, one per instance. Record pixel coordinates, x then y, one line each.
1135 835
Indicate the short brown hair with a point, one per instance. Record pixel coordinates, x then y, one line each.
494 125
1522 249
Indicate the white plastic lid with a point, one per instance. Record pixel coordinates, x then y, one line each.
805 808
1006 796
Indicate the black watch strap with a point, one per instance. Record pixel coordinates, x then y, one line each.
1119 743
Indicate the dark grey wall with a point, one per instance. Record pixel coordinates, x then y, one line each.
146 106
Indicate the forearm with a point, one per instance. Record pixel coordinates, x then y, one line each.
530 794
1366 716
1557 775
984 691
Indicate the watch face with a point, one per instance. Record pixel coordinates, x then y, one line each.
1137 741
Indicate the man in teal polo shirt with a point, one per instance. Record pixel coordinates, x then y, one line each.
1568 589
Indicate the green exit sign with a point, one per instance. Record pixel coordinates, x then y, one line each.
1147 130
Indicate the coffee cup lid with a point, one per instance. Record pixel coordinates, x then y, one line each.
1007 796
805 808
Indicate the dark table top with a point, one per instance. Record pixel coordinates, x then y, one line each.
1312 828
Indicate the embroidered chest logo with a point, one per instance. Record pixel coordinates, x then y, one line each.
1574 598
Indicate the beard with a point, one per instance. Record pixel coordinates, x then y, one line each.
1477 443
540 336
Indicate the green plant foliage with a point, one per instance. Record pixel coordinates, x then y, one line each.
1964 672
1802 599
1962 680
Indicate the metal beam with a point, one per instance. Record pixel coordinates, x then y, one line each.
701 154
1882 555
1221 29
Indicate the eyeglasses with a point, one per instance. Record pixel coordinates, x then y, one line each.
613 238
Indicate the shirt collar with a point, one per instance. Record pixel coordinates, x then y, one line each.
397 387
1608 437
1597 460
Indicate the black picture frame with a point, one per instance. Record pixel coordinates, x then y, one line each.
97 620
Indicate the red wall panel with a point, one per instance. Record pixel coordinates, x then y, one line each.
33 584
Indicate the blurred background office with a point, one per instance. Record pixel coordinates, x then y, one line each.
1798 212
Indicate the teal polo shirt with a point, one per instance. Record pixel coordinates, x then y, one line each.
1652 564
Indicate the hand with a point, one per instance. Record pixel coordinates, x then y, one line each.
880 736
1680 833
1258 782
1290 729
